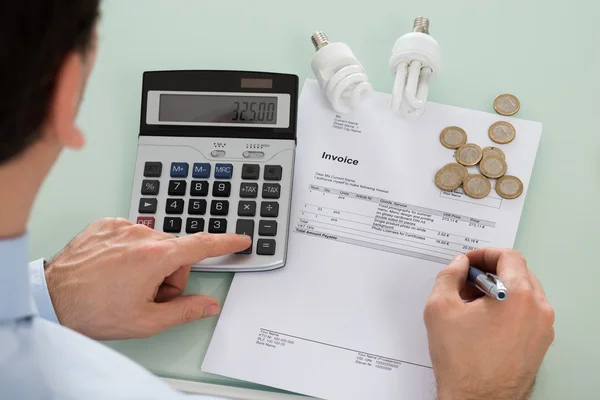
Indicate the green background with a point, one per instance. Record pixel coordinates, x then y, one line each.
546 53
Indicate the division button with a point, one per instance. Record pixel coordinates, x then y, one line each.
269 209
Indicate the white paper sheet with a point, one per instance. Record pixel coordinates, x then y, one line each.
344 318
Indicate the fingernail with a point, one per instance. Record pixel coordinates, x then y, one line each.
211 311
458 257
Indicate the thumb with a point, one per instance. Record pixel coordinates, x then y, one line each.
451 280
185 309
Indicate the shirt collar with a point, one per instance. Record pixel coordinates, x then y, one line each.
15 295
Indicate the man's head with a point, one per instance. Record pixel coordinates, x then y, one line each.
47 49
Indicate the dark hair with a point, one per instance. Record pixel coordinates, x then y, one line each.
35 38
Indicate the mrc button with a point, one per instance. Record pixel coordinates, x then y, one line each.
223 171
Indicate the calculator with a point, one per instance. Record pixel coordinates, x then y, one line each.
216 154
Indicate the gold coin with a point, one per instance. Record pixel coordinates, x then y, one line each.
502 132
448 179
453 137
509 187
477 186
492 167
469 154
460 168
493 151
507 104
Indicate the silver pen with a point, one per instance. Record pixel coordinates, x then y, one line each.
488 283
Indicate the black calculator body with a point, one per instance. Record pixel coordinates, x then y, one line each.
216 154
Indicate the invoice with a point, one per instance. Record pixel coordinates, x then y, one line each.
369 232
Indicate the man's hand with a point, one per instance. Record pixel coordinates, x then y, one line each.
488 349
118 280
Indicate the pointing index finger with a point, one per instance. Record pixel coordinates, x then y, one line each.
192 249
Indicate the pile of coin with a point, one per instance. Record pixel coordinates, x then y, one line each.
491 160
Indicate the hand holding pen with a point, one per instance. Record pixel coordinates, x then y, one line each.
481 347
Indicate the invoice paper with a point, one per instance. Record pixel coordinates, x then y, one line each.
369 232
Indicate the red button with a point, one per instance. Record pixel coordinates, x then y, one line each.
148 221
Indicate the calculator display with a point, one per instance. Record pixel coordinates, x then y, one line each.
218 109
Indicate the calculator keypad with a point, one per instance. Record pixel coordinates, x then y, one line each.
202 203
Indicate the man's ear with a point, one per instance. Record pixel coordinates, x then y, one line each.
68 90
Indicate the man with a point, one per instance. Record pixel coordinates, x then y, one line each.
117 280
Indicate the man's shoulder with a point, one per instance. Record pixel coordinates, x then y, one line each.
40 359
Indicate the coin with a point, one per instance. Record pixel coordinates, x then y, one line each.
509 187
477 186
492 167
493 151
469 154
507 104
448 179
453 137
460 168
502 132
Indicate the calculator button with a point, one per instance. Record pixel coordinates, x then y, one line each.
245 227
174 206
148 206
222 189
199 188
269 209
223 171
267 228
177 188
219 207
250 171
201 170
197 207
271 191
265 247
148 221
172 225
247 208
179 170
273 173
150 188
152 169
217 225
194 225
249 190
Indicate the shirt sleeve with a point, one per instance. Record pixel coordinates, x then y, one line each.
39 291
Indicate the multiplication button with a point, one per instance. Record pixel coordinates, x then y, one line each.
247 209
248 190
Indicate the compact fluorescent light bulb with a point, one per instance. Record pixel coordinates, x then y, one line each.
340 75
415 62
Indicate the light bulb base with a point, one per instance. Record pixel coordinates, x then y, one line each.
421 25
319 40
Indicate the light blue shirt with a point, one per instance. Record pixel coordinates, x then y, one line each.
39 359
